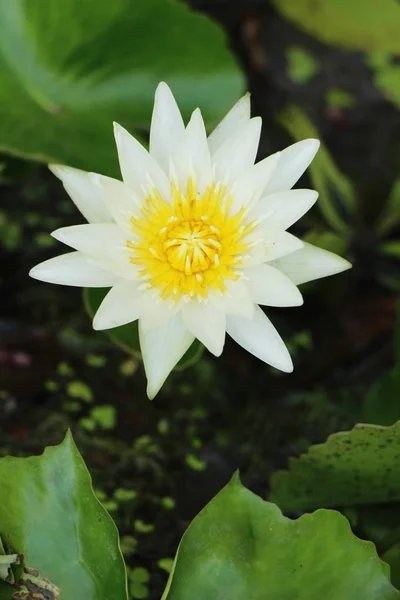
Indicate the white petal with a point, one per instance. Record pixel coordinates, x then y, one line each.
193 156
167 127
311 263
139 169
236 301
208 324
73 269
121 305
155 311
121 201
293 161
279 211
239 113
238 153
260 337
101 239
282 244
270 287
250 186
269 246
161 349
82 192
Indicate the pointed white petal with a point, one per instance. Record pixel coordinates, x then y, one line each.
119 198
121 305
270 287
207 323
167 127
293 161
238 153
161 349
101 239
260 337
280 245
193 155
236 301
238 114
139 169
251 185
311 263
269 246
155 311
82 192
73 269
279 211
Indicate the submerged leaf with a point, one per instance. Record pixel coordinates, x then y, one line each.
336 194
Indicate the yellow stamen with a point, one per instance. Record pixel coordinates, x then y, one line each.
190 246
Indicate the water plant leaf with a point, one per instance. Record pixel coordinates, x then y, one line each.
67 71
336 194
51 515
127 336
355 467
356 25
240 547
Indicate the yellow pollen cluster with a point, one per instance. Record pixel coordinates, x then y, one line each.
191 245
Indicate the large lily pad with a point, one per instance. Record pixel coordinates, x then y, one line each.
357 467
356 24
71 67
242 548
50 514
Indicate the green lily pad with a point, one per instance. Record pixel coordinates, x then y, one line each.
336 194
67 73
240 547
51 515
355 467
127 336
354 24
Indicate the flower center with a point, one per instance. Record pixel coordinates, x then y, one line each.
191 245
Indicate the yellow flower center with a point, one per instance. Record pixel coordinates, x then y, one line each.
191 245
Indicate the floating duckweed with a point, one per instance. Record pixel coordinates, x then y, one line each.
104 416
142 527
95 360
195 463
64 369
123 495
166 564
80 390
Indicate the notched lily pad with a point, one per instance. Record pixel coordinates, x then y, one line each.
361 466
50 515
242 548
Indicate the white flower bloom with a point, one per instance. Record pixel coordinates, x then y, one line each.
194 239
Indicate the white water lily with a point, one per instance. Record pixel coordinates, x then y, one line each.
194 239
